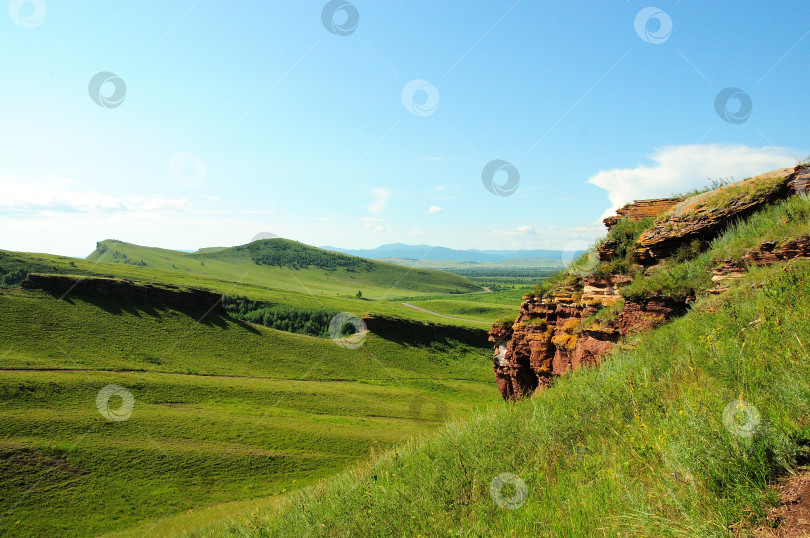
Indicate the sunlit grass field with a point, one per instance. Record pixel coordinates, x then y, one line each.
222 411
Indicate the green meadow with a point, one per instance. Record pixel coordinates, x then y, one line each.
223 413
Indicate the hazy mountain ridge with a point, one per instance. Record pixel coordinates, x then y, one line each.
427 252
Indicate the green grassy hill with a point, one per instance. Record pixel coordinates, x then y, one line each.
680 432
222 411
264 271
281 263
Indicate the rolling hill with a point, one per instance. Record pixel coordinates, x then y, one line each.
268 270
277 262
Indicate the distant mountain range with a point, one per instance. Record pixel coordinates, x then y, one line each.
426 252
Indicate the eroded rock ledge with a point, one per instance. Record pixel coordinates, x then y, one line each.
562 332
127 290
553 336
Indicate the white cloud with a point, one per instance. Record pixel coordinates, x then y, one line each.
374 227
381 197
56 196
680 168
528 230
435 209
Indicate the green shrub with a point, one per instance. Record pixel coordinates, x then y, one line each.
311 321
285 253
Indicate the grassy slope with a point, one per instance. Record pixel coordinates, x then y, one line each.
484 306
236 274
236 265
638 446
298 408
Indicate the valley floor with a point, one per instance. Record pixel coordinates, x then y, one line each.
116 416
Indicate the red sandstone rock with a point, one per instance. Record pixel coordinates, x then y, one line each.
704 216
641 209
546 340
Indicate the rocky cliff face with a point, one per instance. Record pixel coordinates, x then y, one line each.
642 209
566 330
126 290
558 334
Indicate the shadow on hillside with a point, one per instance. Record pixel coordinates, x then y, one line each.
211 317
420 334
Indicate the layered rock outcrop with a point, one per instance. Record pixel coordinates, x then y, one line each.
704 216
559 334
768 253
642 209
126 290
567 329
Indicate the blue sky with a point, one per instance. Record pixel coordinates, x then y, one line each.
245 117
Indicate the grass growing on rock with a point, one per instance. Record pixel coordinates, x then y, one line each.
645 445
688 276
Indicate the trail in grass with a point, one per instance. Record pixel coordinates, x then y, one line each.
220 376
426 311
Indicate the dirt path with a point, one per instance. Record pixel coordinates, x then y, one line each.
792 516
426 311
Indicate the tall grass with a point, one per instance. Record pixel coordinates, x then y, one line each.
639 446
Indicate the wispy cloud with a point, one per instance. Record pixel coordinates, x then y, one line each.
381 197
680 168
372 227
56 195
434 209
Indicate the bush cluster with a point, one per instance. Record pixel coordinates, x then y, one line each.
310 321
